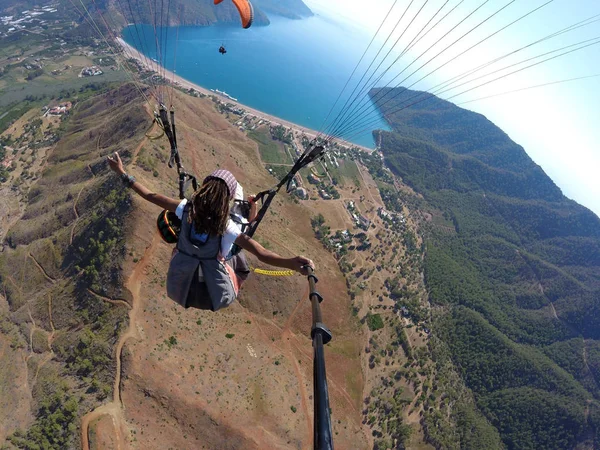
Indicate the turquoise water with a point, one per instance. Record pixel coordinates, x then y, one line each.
292 69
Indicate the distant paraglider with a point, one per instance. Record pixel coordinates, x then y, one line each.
246 13
222 50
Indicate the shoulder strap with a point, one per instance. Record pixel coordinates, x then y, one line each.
184 224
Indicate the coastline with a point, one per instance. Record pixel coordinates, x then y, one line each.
186 84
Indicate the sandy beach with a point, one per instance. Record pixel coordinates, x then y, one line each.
185 84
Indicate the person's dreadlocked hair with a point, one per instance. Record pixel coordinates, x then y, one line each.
210 208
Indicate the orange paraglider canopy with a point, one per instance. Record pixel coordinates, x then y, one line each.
245 9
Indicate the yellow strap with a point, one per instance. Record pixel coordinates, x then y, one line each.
160 125
274 273
314 172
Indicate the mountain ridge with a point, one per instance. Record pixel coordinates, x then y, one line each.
179 12
206 13
510 267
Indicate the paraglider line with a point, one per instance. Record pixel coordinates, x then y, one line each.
365 88
357 121
355 69
352 98
488 82
411 45
127 71
142 43
336 126
530 87
470 48
438 88
439 53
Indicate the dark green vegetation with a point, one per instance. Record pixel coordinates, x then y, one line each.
35 64
514 269
67 248
374 322
55 426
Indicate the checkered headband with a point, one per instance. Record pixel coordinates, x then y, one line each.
227 177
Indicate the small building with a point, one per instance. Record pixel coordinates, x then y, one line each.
91 71
60 109
364 222
324 195
6 163
302 193
312 179
382 213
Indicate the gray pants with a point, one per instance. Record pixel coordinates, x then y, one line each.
198 295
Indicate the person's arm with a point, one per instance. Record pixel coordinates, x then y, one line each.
297 263
163 201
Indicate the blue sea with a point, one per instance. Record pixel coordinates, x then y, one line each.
292 69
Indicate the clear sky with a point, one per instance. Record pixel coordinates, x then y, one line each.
559 125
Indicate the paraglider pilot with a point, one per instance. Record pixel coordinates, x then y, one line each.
198 275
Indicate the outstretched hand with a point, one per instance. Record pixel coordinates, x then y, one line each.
301 264
116 164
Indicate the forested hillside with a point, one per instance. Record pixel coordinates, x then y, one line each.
182 12
513 272
205 12
293 9
185 12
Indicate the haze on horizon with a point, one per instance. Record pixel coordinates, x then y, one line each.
557 125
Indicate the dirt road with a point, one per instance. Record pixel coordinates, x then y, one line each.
115 408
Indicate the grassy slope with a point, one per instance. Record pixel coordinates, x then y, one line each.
271 151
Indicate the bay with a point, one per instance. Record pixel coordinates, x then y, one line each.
292 69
